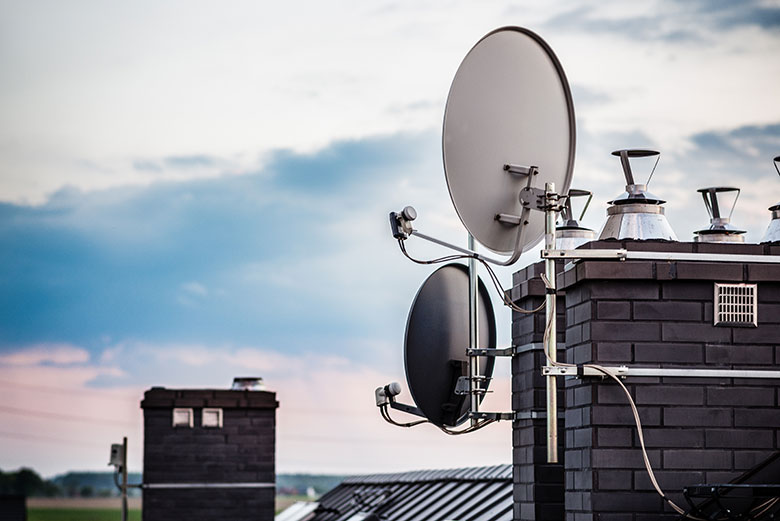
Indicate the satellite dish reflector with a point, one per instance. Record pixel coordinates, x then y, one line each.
437 336
509 104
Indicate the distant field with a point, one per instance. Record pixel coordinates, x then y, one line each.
283 502
81 509
80 514
103 509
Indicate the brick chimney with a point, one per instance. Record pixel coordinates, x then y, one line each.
645 314
208 454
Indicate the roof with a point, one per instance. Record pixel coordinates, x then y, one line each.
160 397
466 494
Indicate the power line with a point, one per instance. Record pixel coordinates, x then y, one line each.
48 439
365 441
93 393
97 393
63 417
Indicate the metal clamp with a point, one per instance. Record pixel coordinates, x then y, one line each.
521 170
624 371
506 351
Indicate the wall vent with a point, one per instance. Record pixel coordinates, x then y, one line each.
211 417
182 417
736 305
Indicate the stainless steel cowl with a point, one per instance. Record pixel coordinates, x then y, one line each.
569 234
773 231
637 221
636 214
720 228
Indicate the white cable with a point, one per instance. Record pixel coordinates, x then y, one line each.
638 422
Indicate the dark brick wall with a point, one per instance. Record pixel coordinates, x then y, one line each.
538 491
241 504
655 314
242 451
13 507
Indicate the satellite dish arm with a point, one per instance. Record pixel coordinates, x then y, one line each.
409 409
464 251
385 397
403 230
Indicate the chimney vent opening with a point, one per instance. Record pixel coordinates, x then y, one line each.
736 305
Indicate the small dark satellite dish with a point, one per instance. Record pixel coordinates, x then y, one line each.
437 336
509 103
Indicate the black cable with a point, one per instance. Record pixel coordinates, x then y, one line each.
388 419
432 261
467 430
62 417
493 277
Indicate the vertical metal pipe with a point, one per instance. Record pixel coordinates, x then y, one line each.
551 345
474 372
124 478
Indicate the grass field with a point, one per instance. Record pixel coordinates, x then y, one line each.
103 509
80 514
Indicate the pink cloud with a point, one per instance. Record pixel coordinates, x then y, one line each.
41 353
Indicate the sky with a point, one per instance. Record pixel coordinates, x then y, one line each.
191 192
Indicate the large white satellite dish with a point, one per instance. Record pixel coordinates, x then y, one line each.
509 104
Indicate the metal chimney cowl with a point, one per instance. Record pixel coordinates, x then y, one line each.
773 231
569 234
720 229
636 214
248 383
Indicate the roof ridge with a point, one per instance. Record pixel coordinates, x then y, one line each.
484 473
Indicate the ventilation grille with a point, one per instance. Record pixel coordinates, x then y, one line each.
736 305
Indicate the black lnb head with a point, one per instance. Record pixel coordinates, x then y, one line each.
385 395
401 222
392 389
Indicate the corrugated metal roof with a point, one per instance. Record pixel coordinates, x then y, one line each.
466 494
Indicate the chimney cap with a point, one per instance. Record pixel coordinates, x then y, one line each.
248 383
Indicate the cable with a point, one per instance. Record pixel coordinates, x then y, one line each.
116 479
92 393
638 422
47 439
493 277
446 258
467 430
62 417
388 419
386 415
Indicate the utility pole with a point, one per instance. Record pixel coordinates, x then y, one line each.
124 478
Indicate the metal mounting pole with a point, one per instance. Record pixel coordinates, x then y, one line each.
124 478
474 383
551 346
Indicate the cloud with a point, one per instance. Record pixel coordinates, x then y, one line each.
740 157
195 288
596 20
59 354
744 144
586 96
289 255
667 21
189 161
327 420
726 14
